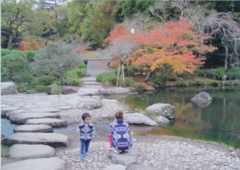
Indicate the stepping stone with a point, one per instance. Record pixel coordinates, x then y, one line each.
87 92
15 112
51 139
115 167
48 121
33 128
91 83
7 109
139 119
109 100
64 107
53 163
45 109
24 151
5 105
21 118
126 159
139 167
88 78
120 90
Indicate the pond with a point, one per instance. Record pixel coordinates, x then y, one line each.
218 122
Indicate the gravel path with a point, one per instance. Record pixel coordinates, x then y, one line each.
165 153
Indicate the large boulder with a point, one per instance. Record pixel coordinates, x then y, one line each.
23 151
92 105
53 163
33 128
139 119
162 120
8 88
162 109
202 99
68 90
51 139
130 157
104 92
21 118
120 90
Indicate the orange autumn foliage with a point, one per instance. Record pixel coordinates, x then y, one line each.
30 45
175 44
81 49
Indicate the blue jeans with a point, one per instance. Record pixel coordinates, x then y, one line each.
84 145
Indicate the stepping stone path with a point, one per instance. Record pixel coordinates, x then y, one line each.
23 117
33 128
91 86
46 109
48 121
53 163
51 139
23 151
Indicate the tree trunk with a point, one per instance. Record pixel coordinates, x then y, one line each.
9 41
118 75
62 76
226 58
123 75
148 75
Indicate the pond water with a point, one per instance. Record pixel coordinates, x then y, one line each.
218 122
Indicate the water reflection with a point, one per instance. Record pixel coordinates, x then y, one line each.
218 121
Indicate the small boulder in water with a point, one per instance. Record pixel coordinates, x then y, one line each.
202 99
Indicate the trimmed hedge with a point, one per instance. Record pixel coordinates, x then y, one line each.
81 65
30 55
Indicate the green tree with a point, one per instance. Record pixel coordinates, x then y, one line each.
99 21
130 7
18 17
55 59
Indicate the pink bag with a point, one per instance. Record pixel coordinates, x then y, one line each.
110 139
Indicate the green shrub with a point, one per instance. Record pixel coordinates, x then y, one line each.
22 76
75 73
18 53
43 89
112 78
128 82
73 82
158 80
184 74
45 81
5 52
116 70
139 86
81 65
104 74
171 77
130 71
14 65
30 55
55 89
23 87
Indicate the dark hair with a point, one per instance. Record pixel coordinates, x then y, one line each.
119 115
85 115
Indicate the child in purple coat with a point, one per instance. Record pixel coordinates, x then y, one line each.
121 139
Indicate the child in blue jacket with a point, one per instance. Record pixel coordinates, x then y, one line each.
86 130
